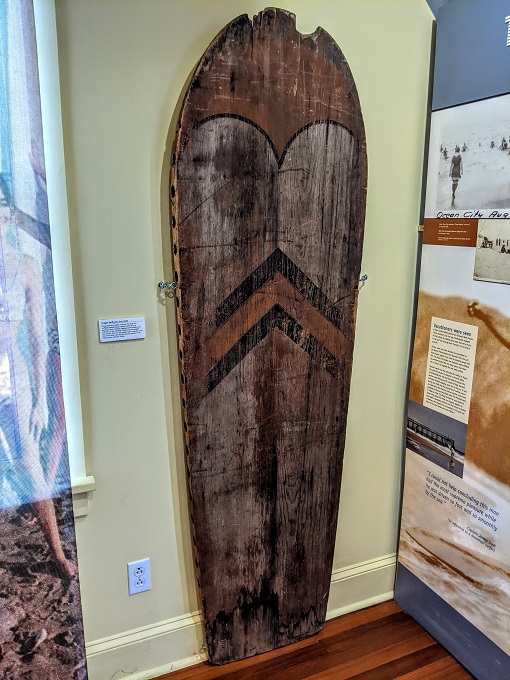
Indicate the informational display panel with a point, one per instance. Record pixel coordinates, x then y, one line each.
454 555
455 532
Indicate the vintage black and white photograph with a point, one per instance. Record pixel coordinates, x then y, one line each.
469 159
492 260
436 437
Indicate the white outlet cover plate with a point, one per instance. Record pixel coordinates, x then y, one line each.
139 576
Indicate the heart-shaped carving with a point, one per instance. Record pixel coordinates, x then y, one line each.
241 203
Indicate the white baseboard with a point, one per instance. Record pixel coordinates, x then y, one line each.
151 651
361 585
147 652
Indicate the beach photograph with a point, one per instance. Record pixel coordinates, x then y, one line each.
469 157
492 259
451 543
41 631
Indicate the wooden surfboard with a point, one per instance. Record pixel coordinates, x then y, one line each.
268 203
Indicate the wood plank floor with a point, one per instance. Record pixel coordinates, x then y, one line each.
379 643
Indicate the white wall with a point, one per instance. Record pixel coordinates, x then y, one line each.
123 65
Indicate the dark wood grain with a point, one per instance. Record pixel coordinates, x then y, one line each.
380 643
268 197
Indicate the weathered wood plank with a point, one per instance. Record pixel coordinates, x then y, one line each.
268 196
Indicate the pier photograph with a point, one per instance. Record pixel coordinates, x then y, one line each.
436 437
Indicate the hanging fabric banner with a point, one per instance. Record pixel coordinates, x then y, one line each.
41 633
454 555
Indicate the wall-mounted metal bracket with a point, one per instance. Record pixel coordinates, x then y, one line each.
167 285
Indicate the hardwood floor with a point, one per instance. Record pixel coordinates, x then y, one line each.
379 643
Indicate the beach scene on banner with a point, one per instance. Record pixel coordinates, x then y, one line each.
469 160
492 260
455 533
41 632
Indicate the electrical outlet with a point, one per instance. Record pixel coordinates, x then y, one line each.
139 576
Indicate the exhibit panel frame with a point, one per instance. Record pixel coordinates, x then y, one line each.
470 112
453 572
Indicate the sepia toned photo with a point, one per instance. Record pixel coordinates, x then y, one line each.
452 533
492 260
459 557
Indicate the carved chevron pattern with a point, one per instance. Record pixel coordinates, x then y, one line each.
276 318
270 299
278 262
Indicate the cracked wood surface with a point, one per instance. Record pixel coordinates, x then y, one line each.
268 203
